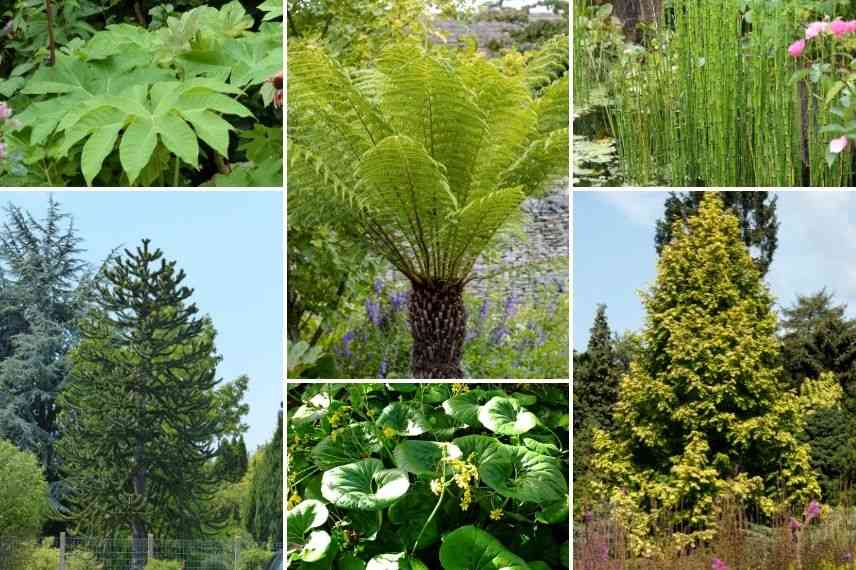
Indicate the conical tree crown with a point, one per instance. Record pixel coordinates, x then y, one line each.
703 411
424 154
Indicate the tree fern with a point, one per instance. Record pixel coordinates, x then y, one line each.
426 157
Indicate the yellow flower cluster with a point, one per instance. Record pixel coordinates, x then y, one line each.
389 432
459 389
465 473
496 514
437 486
294 500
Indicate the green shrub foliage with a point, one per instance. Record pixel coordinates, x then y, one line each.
23 493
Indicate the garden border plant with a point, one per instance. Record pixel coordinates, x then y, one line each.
428 475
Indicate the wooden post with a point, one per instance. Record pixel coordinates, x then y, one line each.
62 551
150 551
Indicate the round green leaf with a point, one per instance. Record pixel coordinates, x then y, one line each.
364 485
483 449
403 418
423 457
555 513
350 562
471 548
312 411
506 416
524 475
302 518
397 561
411 513
465 407
541 447
524 399
352 443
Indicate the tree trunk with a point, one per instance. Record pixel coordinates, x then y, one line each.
138 525
438 323
631 12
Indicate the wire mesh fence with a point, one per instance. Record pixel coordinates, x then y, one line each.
88 553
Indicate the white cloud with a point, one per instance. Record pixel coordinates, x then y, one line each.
640 207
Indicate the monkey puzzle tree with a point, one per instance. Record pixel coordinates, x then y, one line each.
704 410
425 156
144 406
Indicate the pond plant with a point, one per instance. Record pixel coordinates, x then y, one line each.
428 476
720 93
425 156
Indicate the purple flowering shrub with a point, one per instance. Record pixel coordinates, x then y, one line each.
507 336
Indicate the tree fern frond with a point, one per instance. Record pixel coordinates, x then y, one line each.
315 185
543 164
316 82
552 107
551 63
510 116
475 225
424 98
407 192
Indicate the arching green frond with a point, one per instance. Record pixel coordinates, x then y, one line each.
477 222
551 63
331 107
543 164
552 106
406 192
510 116
317 177
425 98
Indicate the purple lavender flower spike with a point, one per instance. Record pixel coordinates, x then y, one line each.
378 287
346 344
398 300
373 312
382 371
483 310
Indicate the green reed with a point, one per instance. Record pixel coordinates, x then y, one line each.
710 101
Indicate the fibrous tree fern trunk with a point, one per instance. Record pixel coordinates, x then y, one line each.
438 323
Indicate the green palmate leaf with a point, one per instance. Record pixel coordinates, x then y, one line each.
470 548
524 475
364 485
98 147
505 416
423 457
272 8
137 146
405 419
346 445
300 520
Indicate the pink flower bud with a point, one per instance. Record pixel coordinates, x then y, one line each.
815 28
837 145
5 111
796 49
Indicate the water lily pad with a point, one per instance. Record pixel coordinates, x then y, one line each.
301 519
524 475
506 416
404 419
346 445
364 485
423 457
471 548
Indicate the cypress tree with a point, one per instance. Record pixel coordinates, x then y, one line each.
703 412
142 411
263 509
596 377
755 211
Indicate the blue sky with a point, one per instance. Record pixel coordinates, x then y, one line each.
230 246
614 255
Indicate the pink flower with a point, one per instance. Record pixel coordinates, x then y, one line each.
839 27
794 524
5 111
718 565
815 28
812 510
796 49
835 147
